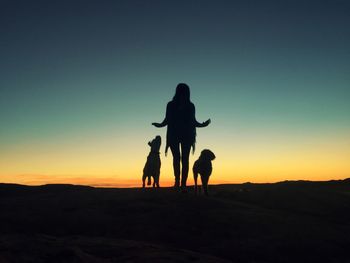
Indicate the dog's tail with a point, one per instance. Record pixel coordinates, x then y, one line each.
149 180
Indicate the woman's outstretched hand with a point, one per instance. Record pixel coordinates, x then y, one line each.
206 123
156 124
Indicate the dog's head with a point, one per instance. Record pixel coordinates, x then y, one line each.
207 155
155 143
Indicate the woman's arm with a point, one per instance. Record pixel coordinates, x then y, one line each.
160 125
165 121
203 124
199 124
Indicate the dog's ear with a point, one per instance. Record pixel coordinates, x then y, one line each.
208 154
213 156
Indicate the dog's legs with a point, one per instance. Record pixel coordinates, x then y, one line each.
205 180
195 176
156 179
149 180
143 180
156 184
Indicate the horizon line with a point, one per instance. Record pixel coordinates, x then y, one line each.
129 186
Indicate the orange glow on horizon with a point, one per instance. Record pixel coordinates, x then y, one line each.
112 162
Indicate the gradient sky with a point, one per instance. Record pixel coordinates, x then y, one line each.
82 81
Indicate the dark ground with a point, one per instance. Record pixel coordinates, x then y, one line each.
283 222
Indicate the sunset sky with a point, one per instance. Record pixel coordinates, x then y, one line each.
82 81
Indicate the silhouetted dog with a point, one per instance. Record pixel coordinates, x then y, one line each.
203 167
152 166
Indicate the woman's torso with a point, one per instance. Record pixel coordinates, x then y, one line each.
181 122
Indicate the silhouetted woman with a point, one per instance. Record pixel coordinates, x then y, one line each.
181 133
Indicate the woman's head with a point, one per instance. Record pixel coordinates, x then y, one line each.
182 93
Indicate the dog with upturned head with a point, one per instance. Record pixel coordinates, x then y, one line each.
204 168
152 166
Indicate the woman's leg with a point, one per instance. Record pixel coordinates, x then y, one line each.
176 163
185 156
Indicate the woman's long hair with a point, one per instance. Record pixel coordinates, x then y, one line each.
182 94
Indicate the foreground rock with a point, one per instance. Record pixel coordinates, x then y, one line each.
282 222
40 248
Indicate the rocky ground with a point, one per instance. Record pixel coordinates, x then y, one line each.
282 222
